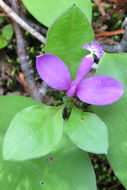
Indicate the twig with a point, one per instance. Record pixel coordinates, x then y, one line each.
25 64
114 186
43 89
110 33
21 22
99 4
122 46
38 27
118 48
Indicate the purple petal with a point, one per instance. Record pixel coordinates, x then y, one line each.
72 89
100 90
86 46
83 70
95 48
53 71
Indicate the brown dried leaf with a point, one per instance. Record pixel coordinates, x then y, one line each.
22 81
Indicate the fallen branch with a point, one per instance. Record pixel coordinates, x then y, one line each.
25 63
38 27
21 22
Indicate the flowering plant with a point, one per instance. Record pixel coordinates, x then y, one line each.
96 90
52 145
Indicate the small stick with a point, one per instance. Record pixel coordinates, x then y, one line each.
99 4
110 33
21 22
38 27
25 63
118 48
122 46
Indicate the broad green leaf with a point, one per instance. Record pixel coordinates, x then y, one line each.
3 42
46 11
67 36
35 130
10 106
66 169
88 131
30 175
115 115
7 32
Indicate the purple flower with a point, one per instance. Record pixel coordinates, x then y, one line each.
96 90
94 48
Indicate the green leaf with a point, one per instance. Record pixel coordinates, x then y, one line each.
67 36
87 131
115 115
3 42
7 32
69 166
10 106
66 169
39 128
46 11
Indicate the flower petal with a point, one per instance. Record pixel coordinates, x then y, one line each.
86 46
100 90
53 71
72 89
95 48
83 70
